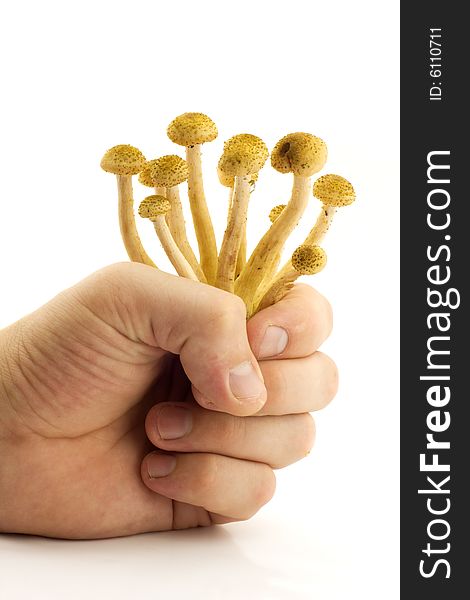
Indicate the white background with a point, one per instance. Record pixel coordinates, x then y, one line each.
80 77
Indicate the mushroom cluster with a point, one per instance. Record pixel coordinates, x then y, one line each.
257 279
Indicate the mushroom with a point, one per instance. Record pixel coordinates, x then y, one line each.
166 173
229 182
306 260
302 154
243 155
154 208
124 161
334 191
191 130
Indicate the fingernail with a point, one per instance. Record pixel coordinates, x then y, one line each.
245 382
274 341
174 422
160 465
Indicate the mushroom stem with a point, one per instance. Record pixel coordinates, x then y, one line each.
266 256
233 235
315 236
241 258
129 234
278 289
183 268
201 218
230 202
323 222
177 226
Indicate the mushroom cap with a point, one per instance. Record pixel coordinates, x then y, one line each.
244 154
166 171
299 153
123 160
334 190
275 212
229 180
192 128
308 260
153 206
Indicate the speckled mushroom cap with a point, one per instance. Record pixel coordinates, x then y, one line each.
308 260
299 153
275 212
123 160
244 154
153 206
192 128
166 171
229 180
334 190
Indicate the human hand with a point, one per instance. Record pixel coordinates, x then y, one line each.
92 381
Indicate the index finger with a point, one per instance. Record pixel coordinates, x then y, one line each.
294 327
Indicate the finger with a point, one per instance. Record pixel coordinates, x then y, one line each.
227 486
204 325
295 326
182 427
299 385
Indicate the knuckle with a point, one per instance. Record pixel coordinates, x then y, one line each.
301 440
265 487
325 313
237 305
331 378
319 310
226 308
306 434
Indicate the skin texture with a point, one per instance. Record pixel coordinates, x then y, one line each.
88 384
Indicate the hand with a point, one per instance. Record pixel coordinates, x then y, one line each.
122 363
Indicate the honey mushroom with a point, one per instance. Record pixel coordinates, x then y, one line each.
166 173
243 155
124 161
192 130
154 208
229 182
302 154
306 260
334 191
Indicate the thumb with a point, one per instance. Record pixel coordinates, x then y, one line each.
204 325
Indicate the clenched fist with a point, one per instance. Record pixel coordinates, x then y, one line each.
138 401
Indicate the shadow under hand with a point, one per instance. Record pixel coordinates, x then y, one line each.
197 563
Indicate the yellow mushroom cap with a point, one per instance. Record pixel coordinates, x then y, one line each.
153 206
244 154
275 212
192 128
229 180
334 190
299 153
123 160
308 260
166 171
